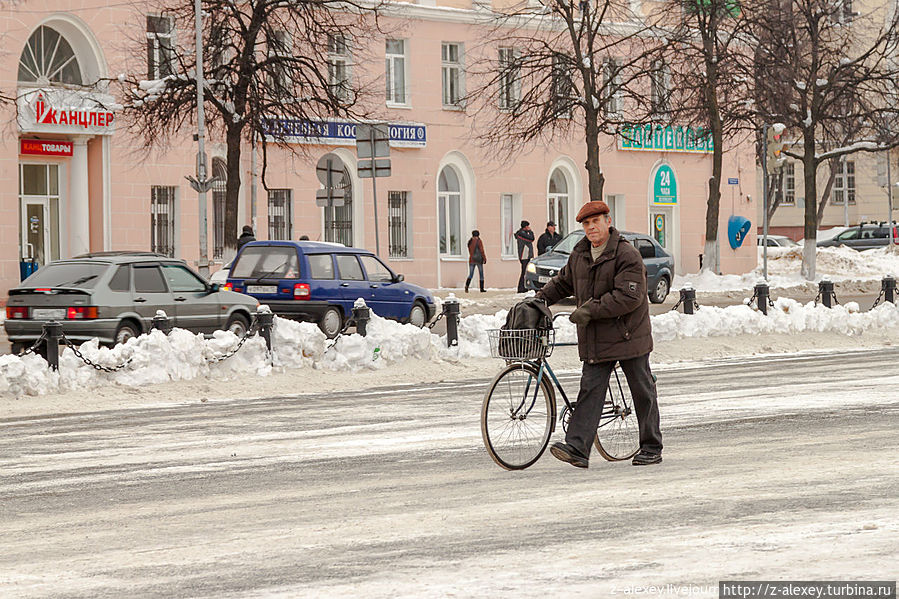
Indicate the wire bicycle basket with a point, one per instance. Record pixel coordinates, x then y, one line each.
521 344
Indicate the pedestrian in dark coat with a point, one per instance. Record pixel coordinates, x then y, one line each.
549 238
525 238
477 257
606 275
245 237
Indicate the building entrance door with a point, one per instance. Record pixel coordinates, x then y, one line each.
663 228
39 209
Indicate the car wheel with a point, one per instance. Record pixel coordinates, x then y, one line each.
238 324
126 331
331 322
418 315
658 295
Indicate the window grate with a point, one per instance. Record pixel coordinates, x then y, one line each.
280 210
398 218
162 220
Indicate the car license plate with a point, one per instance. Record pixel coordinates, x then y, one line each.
48 313
262 289
543 279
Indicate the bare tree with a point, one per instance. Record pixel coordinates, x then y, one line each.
555 69
263 59
711 69
829 75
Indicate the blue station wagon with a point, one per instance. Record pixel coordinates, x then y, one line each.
319 282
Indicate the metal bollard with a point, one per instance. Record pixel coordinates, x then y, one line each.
825 290
452 311
52 334
265 318
761 296
161 322
888 288
688 299
361 314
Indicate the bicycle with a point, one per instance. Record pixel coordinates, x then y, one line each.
518 416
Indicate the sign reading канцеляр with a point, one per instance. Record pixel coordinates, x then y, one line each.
41 147
658 138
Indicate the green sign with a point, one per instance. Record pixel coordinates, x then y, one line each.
664 186
657 138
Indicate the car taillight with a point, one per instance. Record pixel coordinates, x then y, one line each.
81 313
229 287
16 312
301 291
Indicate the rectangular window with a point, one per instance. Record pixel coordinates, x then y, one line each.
451 69
162 220
789 197
510 216
160 47
509 78
562 85
396 72
320 266
611 85
339 66
280 211
348 267
844 184
280 54
616 210
400 221
660 87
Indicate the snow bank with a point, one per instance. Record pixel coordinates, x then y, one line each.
158 358
837 264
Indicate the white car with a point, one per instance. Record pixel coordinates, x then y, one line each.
777 241
221 275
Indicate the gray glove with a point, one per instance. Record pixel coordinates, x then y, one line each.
582 315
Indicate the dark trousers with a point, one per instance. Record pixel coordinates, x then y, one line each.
524 267
592 397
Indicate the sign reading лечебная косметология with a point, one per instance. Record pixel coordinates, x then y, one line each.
340 133
661 138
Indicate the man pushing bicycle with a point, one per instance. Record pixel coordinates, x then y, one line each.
606 275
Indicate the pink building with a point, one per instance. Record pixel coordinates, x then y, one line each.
72 178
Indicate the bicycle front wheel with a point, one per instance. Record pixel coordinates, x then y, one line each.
517 416
618 435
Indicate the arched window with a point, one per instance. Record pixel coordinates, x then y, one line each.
220 172
49 58
558 201
339 219
449 203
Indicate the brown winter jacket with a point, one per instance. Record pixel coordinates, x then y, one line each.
620 327
475 242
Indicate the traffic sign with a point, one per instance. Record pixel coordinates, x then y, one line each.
380 168
330 171
329 197
372 141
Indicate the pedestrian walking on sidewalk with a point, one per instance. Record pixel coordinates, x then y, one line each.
525 238
477 257
605 273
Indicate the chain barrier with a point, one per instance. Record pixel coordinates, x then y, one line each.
87 361
251 330
754 298
437 318
346 325
879 297
677 305
33 348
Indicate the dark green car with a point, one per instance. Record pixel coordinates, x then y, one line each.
114 296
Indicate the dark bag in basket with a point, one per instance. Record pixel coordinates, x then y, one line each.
529 315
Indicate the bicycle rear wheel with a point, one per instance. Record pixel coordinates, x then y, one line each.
517 416
618 435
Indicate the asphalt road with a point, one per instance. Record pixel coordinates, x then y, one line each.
780 468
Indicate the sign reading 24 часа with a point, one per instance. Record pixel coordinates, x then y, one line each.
340 133
664 186
658 138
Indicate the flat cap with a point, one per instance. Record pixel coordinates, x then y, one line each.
592 209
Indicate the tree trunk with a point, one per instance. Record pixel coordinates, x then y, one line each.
834 164
809 170
233 139
711 259
595 178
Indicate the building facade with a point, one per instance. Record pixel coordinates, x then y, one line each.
74 179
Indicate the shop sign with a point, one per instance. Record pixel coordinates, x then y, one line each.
40 147
658 138
664 186
339 133
66 111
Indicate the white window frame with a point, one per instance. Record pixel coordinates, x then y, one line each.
844 182
510 216
159 195
445 216
789 184
395 62
340 56
281 47
452 74
509 79
660 87
562 85
612 80
157 50
276 196
406 196
617 210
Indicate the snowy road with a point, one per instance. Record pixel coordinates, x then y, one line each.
780 468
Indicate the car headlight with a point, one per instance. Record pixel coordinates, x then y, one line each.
532 268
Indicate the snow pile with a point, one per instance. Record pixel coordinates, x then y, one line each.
838 264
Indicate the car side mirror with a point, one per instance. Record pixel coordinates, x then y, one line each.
214 287
398 278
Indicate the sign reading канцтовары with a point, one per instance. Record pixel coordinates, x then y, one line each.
657 138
